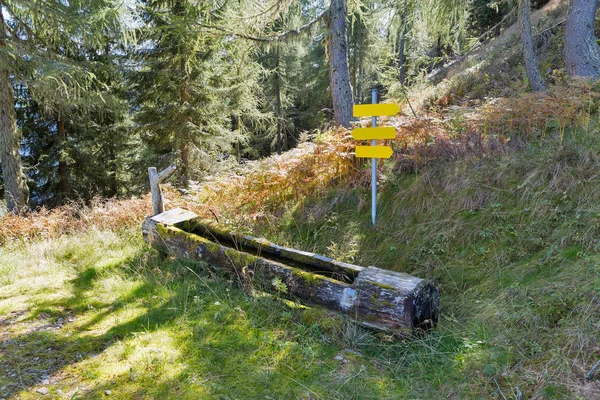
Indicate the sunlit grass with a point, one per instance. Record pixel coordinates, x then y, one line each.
99 311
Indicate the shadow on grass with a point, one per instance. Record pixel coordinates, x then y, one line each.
222 343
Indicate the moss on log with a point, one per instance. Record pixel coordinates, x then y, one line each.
374 297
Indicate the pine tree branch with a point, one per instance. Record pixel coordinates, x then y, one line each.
30 34
280 37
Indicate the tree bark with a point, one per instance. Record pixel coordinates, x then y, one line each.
353 62
401 66
278 106
63 168
359 80
339 76
184 179
16 192
531 65
582 53
113 183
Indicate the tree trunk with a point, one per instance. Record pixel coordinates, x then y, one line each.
359 80
237 127
63 168
582 53
278 107
401 66
374 297
113 184
354 68
16 192
184 178
339 76
531 65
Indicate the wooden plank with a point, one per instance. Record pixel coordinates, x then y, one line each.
383 132
375 110
374 151
174 216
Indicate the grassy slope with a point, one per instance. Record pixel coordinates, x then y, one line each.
512 241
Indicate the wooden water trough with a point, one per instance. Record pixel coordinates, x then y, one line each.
373 297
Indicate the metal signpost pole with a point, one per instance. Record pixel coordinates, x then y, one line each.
374 165
373 133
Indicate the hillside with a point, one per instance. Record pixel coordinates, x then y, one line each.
506 224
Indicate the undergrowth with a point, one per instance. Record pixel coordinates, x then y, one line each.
73 217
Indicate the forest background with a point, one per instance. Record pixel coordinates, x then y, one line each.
95 91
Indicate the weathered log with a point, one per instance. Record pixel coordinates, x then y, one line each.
374 297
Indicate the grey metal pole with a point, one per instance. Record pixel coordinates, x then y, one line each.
373 165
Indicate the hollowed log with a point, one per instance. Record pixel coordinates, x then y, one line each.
372 296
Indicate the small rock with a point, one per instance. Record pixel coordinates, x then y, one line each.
107 392
46 382
42 390
70 319
356 353
59 391
339 357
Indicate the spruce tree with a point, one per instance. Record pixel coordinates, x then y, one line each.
190 82
29 33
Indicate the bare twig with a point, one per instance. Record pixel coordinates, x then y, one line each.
215 215
592 371
499 390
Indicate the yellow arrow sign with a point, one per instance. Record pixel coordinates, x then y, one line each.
384 132
373 151
375 110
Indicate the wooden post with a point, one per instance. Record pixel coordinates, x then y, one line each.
155 180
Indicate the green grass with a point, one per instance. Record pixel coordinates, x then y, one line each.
513 243
100 311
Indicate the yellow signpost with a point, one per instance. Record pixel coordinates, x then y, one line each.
387 132
374 152
375 110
